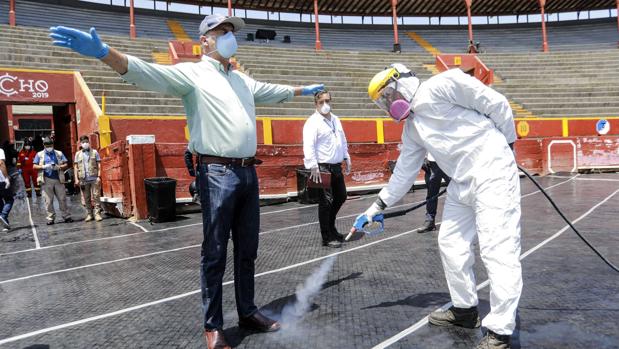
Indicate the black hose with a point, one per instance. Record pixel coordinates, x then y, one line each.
567 221
403 212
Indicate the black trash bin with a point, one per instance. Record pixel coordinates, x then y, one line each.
306 195
161 198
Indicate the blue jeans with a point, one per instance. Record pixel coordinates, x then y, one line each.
6 200
229 199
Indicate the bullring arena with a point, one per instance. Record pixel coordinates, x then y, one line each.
131 281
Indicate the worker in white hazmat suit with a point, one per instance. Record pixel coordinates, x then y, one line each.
469 129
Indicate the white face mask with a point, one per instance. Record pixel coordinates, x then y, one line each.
85 146
324 109
27 147
49 149
226 45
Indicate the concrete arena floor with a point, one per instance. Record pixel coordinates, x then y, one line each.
118 284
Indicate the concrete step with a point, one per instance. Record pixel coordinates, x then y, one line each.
550 95
132 109
67 58
47 47
576 104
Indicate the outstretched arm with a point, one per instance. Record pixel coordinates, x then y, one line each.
153 77
89 44
117 61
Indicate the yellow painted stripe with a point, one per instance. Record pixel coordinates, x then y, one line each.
39 70
431 68
267 132
423 43
162 58
105 131
380 132
177 29
565 127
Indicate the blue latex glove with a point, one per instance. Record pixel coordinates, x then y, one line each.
311 89
79 41
371 227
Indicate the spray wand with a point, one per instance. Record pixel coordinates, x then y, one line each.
377 224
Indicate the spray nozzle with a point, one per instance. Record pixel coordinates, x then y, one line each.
369 227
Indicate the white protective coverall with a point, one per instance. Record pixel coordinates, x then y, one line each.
467 126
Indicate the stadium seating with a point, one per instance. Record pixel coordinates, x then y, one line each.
344 73
581 35
576 81
560 83
36 14
570 36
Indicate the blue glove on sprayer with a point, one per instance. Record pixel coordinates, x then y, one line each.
370 227
371 222
311 89
79 41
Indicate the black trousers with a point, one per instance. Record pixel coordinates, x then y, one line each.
433 177
330 201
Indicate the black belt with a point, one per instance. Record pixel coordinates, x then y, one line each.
339 165
243 162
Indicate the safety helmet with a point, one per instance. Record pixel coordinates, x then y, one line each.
380 80
393 90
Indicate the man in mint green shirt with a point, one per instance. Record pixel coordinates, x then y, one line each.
221 116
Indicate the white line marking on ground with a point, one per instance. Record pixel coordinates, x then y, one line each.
419 324
341 217
157 253
589 179
198 245
139 226
168 299
97 264
144 231
37 244
164 300
550 187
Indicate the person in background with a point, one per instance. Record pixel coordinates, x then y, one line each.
220 104
6 195
87 174
50 163
433 177
37 143
191 168
469 129
324 149
25 161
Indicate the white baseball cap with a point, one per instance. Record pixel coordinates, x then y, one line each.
212 21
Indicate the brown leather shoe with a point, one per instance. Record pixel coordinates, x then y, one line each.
215 339
259 322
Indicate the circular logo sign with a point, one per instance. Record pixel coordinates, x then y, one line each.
602 127
523 128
